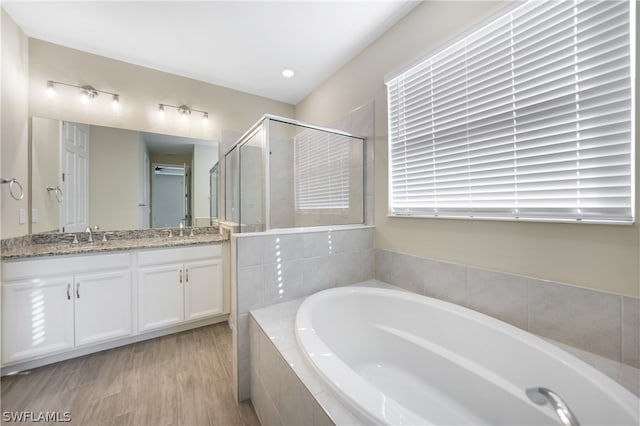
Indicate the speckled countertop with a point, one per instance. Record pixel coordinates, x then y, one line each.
56 244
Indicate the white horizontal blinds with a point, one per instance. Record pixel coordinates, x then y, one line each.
321 170
528 117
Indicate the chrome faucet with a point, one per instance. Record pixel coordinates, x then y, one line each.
541 396
89 231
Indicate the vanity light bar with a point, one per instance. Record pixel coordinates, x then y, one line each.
87 91
184 110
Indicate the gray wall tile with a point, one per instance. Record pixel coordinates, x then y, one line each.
408 272
583 318
502 296
283 281
383 265
318 244
446 281
250 288
283 247
631 331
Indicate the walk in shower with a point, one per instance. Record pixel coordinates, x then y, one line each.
284 173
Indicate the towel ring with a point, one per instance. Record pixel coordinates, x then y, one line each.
58 192
12 183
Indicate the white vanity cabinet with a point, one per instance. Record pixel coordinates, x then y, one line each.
178 285
59 303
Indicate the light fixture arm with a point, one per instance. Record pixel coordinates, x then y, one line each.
184 110
87 89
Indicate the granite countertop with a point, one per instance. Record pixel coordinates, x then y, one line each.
57 244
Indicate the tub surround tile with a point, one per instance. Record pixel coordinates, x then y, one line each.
320 417
251 252
631 331
582 318
320 273
243 350
360 239
408 272
355 266
282 266
599 322
250 291
326 408
295 403
263 404
499 295
446 281
283 281
277 390
279 248
317 244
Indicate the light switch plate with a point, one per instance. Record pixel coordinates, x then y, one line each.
22 216
34 215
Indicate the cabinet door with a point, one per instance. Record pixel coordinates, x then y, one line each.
102 306
203 288
160 296
37 318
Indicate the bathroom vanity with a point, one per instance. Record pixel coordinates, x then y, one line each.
85 297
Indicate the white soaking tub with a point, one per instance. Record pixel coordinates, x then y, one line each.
394 357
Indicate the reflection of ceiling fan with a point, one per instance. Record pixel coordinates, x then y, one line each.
168 170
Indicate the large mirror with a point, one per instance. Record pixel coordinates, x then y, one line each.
85 176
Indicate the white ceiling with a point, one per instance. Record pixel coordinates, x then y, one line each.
243 45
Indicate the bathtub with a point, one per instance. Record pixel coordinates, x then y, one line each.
393 357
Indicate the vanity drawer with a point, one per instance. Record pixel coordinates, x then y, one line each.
56 265
178 254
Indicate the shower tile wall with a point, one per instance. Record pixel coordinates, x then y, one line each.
360 122
277 267
281 177
602 323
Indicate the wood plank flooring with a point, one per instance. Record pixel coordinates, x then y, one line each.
181 379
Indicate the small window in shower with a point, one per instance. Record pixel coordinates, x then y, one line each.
321 162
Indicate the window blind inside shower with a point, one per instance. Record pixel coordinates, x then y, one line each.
321 170
529 117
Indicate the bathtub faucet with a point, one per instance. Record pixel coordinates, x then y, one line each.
541 396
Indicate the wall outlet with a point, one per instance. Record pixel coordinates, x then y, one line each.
22 216
34 215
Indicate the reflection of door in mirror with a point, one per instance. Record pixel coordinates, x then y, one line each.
119 176
144 205
74 156
170 195
213 192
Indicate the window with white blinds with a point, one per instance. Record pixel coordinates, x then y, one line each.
321 175
529 117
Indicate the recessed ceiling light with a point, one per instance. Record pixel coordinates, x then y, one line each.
287 73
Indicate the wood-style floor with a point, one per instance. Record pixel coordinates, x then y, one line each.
181 379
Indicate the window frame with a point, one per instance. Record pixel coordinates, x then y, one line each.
488 20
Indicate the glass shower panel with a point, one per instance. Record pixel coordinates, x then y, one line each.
252 186
316 176
232 186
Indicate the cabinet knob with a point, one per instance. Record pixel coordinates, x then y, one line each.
186 272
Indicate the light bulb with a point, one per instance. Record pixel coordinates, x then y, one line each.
205 118
161 111
51 90
115 102
287 73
